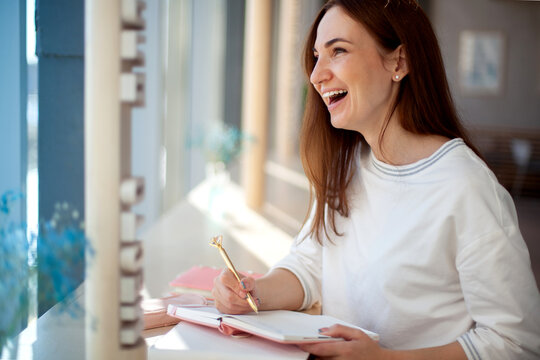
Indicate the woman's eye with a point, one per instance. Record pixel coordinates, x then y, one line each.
339 51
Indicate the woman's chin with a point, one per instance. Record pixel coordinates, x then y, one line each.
338 122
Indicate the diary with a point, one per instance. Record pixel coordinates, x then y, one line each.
282 326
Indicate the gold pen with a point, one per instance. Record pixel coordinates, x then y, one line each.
217 242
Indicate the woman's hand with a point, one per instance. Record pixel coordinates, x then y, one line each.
230 296
357 345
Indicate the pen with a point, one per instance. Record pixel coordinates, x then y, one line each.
217 242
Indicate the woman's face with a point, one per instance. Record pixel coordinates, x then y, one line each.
351 74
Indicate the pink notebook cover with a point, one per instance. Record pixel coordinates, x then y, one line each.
155 310
202 278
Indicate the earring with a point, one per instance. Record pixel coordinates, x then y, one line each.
397 77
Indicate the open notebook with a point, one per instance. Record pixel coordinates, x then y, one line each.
288 327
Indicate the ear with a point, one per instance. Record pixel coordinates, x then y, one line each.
400 63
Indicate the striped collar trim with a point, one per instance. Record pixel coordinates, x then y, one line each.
411 169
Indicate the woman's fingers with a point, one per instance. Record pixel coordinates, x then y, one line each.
326 349
229 280
230 295
341 331
229 302
357 344
248 283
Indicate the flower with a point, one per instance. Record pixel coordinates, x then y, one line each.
61 256
63 244
221 143
14 270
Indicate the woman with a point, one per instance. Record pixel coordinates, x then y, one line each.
410 235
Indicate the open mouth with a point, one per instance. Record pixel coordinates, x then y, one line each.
334 96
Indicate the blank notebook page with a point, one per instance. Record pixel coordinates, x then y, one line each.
293 324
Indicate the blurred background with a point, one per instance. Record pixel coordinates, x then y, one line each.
195 125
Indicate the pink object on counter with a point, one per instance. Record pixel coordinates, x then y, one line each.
155 310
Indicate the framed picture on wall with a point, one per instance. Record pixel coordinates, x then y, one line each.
481 62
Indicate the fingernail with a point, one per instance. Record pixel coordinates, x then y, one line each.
323 329
243 285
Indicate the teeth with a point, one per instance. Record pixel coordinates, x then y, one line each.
332 93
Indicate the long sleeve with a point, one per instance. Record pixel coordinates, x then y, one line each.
431 253
501 296
497 282
304 261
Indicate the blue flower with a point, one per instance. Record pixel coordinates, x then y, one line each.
63 244
221 143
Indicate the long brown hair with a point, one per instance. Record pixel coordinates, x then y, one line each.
423 103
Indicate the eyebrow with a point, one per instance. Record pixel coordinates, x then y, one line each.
333 41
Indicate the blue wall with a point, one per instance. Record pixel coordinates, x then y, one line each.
13 135
60 50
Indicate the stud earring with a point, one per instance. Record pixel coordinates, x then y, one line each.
397 77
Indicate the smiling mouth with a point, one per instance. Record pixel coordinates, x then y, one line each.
334 96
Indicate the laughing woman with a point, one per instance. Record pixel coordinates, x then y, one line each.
410 235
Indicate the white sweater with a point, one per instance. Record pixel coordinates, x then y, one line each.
431 253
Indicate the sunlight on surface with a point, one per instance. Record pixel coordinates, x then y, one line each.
224 204
31 57
22 346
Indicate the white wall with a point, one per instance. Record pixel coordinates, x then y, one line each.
147 121
206 85
519 103
205 96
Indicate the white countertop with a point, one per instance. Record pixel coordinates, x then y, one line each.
177 241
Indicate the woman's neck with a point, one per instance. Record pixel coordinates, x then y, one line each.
401 147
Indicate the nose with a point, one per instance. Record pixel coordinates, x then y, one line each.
320 73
